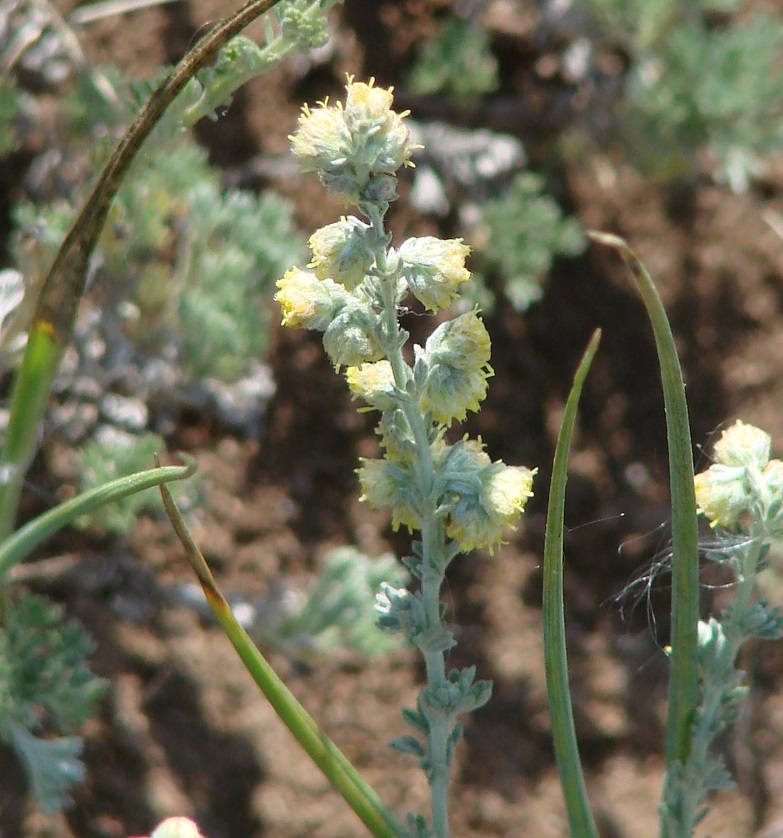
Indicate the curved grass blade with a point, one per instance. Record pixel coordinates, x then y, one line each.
683 686
558 691
18 546
324 753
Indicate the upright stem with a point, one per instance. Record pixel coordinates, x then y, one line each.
435 662
713 696
433 547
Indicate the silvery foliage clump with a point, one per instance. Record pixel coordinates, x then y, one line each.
45 688
113 453
517 227
702 90
226 245
451 495
458 61
741 495
333 616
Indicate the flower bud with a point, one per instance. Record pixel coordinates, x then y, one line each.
351 337
743 445
387 484
479 516
374 383
722 494
356 149
434 269
393 607
396 437
308 302
380 189
457 358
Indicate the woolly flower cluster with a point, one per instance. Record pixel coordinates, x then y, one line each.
352 290
451 372
357 149
743 480
477 498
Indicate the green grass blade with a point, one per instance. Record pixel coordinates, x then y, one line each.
563 731
18 546
683 687
324 753
28 401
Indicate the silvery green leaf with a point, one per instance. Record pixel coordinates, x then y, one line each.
407 745
52 766
416 827
413 565
416 720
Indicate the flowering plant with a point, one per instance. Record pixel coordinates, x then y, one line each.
451 495
741 495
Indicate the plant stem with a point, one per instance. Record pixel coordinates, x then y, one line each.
708 722
431 582
432 537
434 565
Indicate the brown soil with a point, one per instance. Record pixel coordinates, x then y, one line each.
184 731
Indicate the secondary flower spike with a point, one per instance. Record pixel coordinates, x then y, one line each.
742 479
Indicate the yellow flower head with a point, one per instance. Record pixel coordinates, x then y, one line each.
339 253
722 494
320 137
355 150
508 491
434 269
374 383
742 445
351 339
386 484
365 101
307 302
743 479
483 511
457 356
368 112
